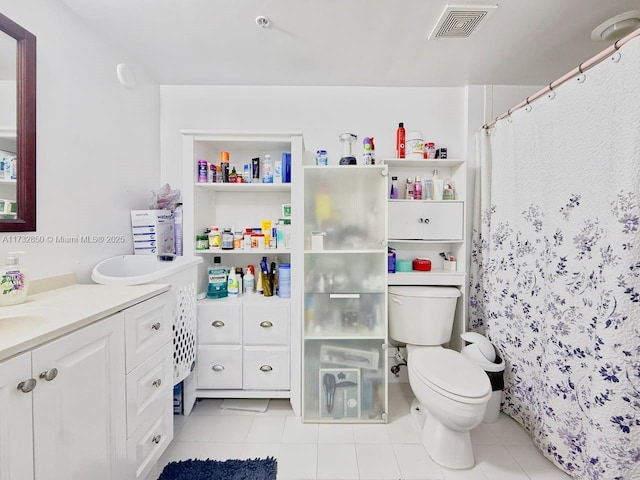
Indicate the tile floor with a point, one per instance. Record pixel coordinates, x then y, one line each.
503 450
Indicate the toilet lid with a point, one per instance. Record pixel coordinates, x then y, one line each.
450 371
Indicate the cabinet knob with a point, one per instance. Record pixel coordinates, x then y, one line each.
266 368
155 326
156 439
157 382
27 385
266 324
218 323
424 220
50 374
217 368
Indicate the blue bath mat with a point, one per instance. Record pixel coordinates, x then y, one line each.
258 469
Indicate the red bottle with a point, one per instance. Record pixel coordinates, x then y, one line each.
400 137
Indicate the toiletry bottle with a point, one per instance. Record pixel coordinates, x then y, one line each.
202 171
438 185
400 137
267 169
232 283
233 176
240 277
211 178
277 170
224 166
408 189
249 280
417 189
427 194
394 187
217 280
369 154
14 283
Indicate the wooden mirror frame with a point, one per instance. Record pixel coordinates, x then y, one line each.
25 220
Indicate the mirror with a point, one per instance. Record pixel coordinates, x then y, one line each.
17 128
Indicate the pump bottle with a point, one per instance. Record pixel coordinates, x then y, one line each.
14 283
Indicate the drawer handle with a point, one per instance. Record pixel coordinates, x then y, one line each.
157 383
266 368
344 295
266 324
156 439
217 368
218 323
424 220
50 374
155 326
27 385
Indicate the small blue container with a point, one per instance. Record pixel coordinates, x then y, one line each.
284 280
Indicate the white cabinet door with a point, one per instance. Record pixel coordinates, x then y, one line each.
16 433
79 404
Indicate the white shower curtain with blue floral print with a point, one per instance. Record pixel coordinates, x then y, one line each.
555 267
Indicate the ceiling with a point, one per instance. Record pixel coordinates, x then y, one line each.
348 42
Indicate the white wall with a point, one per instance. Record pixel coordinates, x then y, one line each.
320 113
97 143
8 102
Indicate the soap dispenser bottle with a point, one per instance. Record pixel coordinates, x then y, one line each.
14 282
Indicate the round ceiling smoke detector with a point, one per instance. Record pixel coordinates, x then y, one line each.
617 27
263 21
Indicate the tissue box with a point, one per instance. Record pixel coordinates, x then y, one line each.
343 401
152 232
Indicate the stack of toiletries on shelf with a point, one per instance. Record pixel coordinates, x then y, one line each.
413 147
431 188
347 151
270 235
258 170
271 278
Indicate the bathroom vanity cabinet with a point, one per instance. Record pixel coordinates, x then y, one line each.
242 357
93 403
427 228
345 294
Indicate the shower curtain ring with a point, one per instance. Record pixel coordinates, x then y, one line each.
580 68
552 94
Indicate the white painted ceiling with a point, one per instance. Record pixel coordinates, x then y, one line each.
348 42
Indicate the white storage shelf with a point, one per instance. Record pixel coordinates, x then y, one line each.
412 237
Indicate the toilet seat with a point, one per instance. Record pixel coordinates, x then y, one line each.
451 374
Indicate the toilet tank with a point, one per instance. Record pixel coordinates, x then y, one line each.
421 315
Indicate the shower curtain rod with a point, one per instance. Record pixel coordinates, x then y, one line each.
580 69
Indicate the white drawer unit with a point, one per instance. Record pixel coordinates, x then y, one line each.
220 366
149 387
265 369
265 325
420 220
147 443
243 347
219 324
148 327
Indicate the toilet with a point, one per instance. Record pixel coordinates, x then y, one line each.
451 392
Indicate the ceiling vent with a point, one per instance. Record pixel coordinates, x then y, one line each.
461 21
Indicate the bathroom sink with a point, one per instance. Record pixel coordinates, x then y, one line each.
140 269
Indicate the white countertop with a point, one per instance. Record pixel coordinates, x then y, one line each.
50 314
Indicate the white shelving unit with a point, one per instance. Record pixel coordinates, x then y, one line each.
425 228
260 332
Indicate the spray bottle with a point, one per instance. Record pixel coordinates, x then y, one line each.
369 151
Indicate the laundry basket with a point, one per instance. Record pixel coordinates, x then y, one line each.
181 273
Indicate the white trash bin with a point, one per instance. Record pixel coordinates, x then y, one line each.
481 352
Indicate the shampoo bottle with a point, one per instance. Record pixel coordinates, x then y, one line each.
249 280
232 283
14 283
438 185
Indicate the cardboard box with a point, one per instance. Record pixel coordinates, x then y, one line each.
339 393
152 232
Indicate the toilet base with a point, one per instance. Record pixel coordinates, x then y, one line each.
446 447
